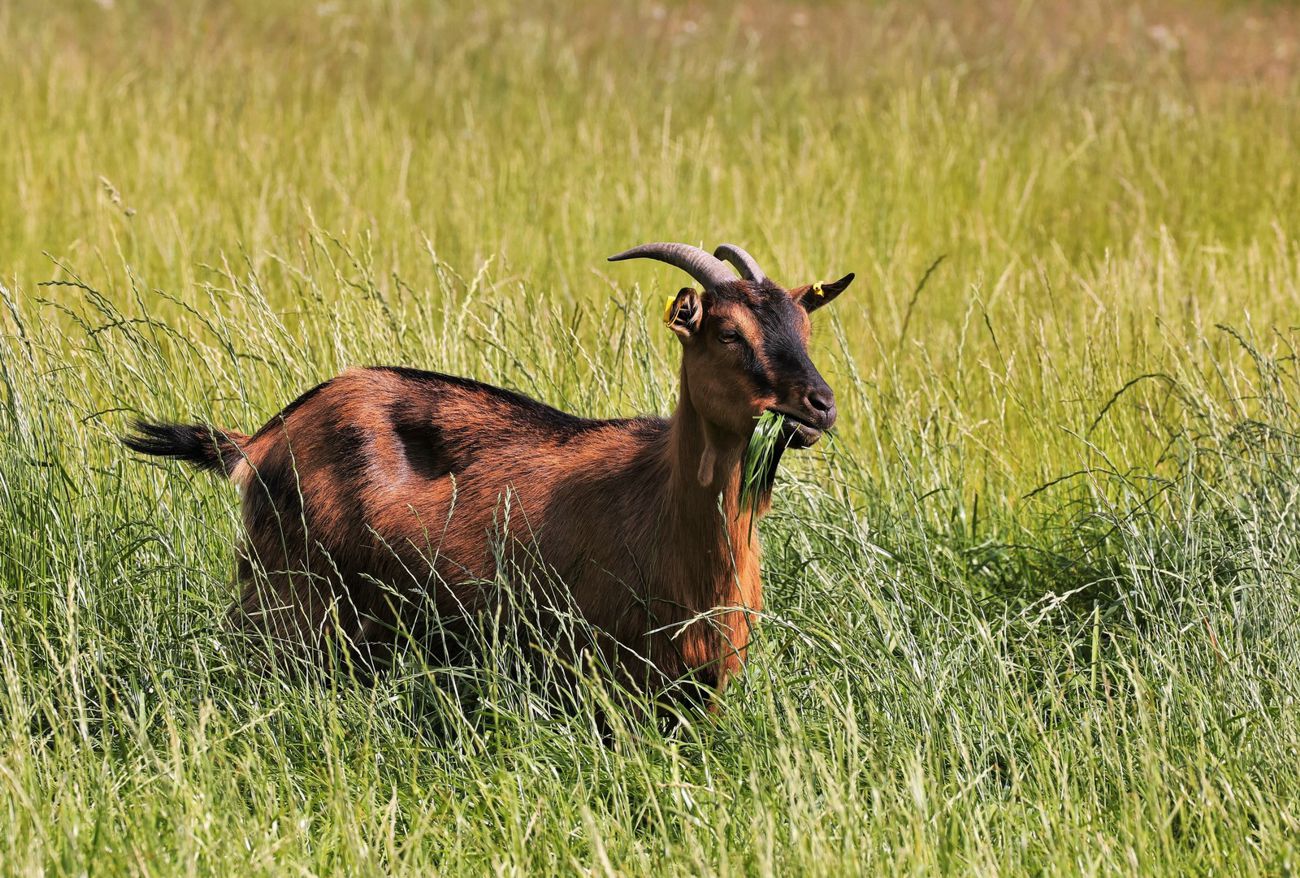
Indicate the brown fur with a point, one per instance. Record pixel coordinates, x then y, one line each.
386 497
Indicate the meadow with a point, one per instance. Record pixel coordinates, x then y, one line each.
1032 610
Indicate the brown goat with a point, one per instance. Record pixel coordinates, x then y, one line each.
385 486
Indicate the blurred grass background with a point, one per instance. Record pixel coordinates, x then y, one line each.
1032 611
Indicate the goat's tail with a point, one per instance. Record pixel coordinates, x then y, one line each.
207 448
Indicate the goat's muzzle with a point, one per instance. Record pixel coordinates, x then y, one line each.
814 414
802 430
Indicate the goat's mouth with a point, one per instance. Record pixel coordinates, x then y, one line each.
795 431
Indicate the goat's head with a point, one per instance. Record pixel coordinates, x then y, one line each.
745 342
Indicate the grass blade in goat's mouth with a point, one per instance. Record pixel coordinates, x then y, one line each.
760 454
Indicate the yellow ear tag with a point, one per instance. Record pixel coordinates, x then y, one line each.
668 309
817 289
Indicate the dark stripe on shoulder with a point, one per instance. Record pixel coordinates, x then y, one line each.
422 443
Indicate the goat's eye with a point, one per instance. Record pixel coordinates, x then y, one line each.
728 336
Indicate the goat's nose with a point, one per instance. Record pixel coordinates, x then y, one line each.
821 401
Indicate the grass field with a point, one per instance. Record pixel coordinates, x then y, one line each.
1034 609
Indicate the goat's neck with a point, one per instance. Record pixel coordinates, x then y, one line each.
704 494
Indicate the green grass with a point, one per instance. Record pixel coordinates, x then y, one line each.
756 466
1033 611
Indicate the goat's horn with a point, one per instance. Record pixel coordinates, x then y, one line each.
706 269
745 263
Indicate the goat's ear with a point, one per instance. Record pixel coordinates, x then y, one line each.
685 313
814 296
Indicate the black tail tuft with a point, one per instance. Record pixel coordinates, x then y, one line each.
205 447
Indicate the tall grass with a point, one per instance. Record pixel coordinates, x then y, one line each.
1034 610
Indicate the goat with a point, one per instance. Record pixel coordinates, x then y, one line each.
383 480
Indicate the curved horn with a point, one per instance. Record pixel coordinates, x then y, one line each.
744 263
706 269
